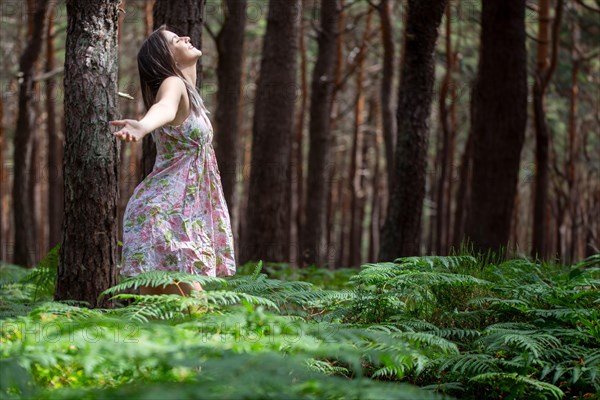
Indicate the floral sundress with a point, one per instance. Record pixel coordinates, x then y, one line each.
177 218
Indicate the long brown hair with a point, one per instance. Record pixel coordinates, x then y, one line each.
155 64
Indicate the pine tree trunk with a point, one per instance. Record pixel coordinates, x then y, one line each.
185 18
88 256
55 149
387 83
463 193
319 163
25 232
443 196
355 180
267 228
297 158
544 70
3 184
335 206
499 115
573 197
375 144
230 46
401 233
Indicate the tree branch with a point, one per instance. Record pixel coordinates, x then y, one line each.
587 6
49 74
210 32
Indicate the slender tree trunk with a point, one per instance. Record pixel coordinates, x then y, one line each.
315 228
333 200
356 161
499 116
267 230
573 199
387 83
443 195
401 232
336 187
543 73
55 149
451 151
36 188
185 18
463 192
230 46
3 184
376 142
88 256
297 159
25 245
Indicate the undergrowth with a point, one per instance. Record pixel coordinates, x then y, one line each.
415 328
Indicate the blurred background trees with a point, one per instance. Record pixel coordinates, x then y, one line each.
308 108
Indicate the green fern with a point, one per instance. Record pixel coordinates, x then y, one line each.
162 279
523 384
43 276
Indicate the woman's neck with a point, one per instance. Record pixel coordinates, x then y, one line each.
189 73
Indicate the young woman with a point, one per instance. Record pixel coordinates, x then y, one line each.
177 217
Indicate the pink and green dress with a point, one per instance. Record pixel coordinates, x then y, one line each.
177 217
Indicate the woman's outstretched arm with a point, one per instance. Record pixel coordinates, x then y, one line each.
163 111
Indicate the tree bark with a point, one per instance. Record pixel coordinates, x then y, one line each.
55 149
230 47
387 83
355 187
25 244
443 184
314 233
375 143
463 193
185 18
573 197
499 115
3 184
267 228
544 70
336 200
88 256
401 232
297 158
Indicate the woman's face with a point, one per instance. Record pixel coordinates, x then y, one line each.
184 53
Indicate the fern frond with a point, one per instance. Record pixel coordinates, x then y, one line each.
168 306
456 333
430 340
542 387
10 273
413 325
468 364
326 368
43 276
494 301
451 263
162 278
436 278
533 342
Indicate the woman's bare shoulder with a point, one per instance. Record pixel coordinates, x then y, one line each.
173 83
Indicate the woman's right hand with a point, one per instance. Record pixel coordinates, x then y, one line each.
131 130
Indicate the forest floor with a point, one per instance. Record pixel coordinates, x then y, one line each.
418 328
